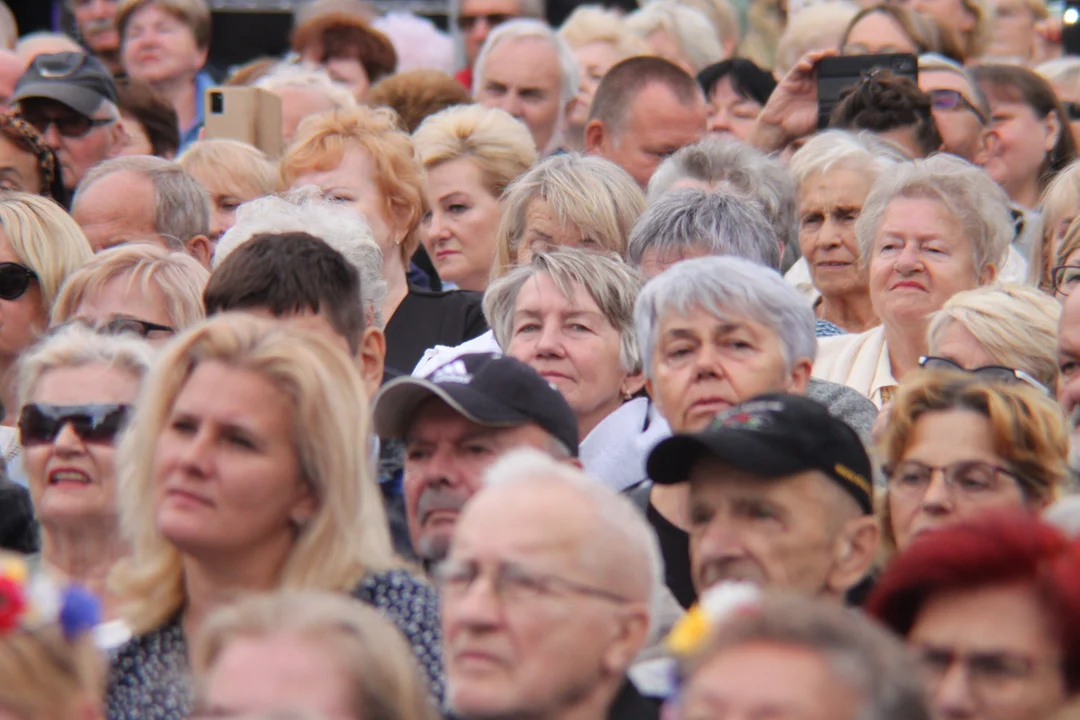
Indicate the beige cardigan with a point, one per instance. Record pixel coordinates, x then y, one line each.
858 361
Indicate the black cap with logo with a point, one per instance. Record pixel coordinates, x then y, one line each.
491 390
772 435
77 80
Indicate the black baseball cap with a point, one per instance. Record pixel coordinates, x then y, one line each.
772 435
491 390
77 80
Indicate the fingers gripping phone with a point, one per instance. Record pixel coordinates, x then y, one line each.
837 74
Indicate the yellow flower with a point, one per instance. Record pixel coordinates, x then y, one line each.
689 631
14 567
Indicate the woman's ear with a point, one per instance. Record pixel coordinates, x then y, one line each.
1053 131
633 384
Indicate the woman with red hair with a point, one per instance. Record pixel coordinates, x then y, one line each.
991 607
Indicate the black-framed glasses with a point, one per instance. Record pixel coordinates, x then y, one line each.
945 99
39 424
513 583
466 23
997 373
1065 278
68 124
989 673
15 280
972 479
122 325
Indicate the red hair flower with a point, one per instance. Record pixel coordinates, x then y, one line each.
12 603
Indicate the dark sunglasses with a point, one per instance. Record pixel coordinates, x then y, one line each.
99 423
69 125
994 373
953 100
466 23
15 280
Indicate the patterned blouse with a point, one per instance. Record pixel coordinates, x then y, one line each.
149 677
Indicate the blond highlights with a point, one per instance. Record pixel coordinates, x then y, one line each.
44 238
44 676
231 167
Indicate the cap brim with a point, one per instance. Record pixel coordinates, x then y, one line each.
397 403
78 99
673 459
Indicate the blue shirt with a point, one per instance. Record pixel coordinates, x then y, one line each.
203 82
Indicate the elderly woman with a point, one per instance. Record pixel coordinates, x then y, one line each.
1017 31
360 666
736 89
570 315
1059 207
239 477
991 610
1065 271
956 445
353 52
233 173
360 158
26 162
470 154
140 288
76 392
678 33
928 230
970 21
1007 331
889 28
834 172
165 43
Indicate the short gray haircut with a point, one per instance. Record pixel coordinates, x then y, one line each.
305 210
181 203
727 287
863 152
965 191
523 28
610 282
741 169
721 222
619 526
860 654
75 345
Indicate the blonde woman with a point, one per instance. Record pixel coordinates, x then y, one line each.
470 154
1060 206
679 33
237 477
363 160
140 288
306 651
233 173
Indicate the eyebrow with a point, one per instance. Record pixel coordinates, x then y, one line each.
453 194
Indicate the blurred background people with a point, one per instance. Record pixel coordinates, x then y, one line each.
679 33
95 23
348 48
736 90
27 164
151 125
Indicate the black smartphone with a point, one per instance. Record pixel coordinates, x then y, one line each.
837 74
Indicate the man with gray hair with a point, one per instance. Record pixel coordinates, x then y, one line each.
526 69
144 198
547 597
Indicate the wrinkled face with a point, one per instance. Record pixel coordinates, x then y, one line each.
117 209
594 59
120 297
729 113
990 653
226 472
960 128
446 455
72 479
703 364
95 20
23 319
656 126
76 155
939 439
774 532
570 342
829 204
878 34
767 680
280 673
460 228
478 18
919 259
18 168
1015 34
544 231
1024 139
522 76
158 46
655 261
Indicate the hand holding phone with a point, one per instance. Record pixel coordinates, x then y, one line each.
837 74
792 109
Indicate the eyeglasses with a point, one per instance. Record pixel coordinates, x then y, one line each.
989 673
15 280
996 373
513 583
1072 110
1065 278
466 23
69 125
953 100
132 326
971 479
99 423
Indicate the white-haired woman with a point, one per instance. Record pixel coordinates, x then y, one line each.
77 390
569 314
676 32
470 154
928 230
238 476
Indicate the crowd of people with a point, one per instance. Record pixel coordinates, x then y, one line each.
598 377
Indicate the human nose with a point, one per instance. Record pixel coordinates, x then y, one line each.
441 468
196 456
512 104
708 363
909 260
720 541
51 135
476 606
952 695
719 121
68 442
549 341
937 500
437 227
831 234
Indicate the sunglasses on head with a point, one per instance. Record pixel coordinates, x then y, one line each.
14 280
466 23
954 100
995 373
98 423
69 125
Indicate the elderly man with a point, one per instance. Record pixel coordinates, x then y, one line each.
71 99
526 69
644 110
546 597
96 22
477 18
140 197
961 111
456 422
780 495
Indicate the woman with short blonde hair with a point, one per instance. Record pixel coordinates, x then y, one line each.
678 32
1059 207
238 476
233 173
375 674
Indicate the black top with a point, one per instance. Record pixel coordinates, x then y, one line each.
18 529
632 705
425 319
675 547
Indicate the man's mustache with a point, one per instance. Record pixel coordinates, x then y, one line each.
434 499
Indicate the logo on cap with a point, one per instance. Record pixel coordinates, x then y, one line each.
455 372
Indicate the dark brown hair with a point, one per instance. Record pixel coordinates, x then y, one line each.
156 114
882 102
416 94
341 35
